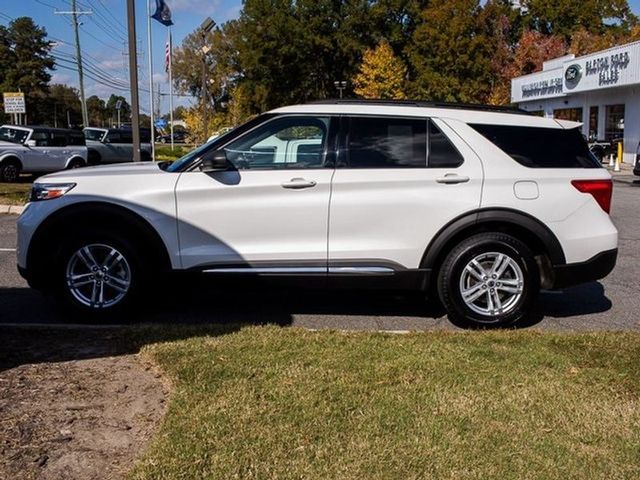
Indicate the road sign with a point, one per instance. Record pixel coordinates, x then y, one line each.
118 104
14 102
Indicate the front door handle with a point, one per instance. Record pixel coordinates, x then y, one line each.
452 178
298 183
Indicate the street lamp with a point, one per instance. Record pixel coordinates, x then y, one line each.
341 85
205 27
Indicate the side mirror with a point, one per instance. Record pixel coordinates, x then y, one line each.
214 162
31 143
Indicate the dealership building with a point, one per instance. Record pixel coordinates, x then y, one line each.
600 90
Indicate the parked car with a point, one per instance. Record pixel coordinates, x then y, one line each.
115 145
35 149
636 167
480 207
178 137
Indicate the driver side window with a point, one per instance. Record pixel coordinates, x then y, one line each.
283 143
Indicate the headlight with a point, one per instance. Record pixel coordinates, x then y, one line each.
49 191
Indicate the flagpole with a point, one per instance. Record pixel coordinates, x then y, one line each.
150 54
171 86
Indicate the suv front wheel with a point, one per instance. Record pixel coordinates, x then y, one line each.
489 280
99 274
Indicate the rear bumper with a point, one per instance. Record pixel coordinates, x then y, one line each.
597 267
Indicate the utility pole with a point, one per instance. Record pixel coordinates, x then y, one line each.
133 79
205 28
76 25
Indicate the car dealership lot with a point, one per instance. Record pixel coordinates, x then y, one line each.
611 304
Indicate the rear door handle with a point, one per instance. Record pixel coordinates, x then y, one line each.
452 178
298 183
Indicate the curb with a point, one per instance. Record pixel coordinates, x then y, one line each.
11 209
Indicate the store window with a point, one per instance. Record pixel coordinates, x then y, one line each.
573 114
614 122
593 124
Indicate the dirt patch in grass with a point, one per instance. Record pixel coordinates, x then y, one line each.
74 405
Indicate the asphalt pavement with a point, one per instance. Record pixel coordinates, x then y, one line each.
611 304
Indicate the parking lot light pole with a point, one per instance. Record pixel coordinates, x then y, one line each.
133 79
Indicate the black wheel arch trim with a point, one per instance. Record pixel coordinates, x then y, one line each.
94 209
484 216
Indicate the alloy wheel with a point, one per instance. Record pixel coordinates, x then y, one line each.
98 276
492 284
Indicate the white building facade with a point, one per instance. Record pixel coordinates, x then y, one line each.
600 90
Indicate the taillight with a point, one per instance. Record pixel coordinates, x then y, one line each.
601 190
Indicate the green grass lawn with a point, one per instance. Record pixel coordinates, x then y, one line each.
164 152
14 193
277 403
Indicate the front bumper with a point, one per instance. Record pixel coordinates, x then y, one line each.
597 267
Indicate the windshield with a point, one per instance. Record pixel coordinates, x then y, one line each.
13 135
184 162
92 134
193 155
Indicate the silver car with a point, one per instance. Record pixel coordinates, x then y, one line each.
115 145
25 149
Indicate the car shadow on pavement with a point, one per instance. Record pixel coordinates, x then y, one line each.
37 329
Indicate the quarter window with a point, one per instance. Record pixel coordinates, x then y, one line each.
442 153
288 142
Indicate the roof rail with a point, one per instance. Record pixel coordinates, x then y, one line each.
423 104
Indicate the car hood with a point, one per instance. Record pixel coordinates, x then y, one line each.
116 170
4 143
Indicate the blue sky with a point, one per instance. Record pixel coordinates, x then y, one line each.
103 35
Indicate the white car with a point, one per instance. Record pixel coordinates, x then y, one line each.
39 150
478 206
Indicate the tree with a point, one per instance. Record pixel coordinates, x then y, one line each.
112 111
381 74
25 62
449 58
97 111
564 17
62 106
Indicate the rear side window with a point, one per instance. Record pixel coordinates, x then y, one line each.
387 143
536 147
76 138
58 139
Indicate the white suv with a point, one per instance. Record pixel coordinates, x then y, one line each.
480 206
39 150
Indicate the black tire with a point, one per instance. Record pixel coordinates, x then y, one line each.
454 275
9 171
135 260
75 163
94 158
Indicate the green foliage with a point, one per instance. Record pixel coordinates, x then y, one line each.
284 51
381 74
25 62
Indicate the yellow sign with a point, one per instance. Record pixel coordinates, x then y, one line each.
14 102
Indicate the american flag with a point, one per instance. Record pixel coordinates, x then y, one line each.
167 53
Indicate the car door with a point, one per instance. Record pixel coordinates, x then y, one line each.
58 152
36 157
268 213
111 152
398 181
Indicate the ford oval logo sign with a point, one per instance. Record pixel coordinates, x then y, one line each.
572 75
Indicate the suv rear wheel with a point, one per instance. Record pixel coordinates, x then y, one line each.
489 280
99 274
